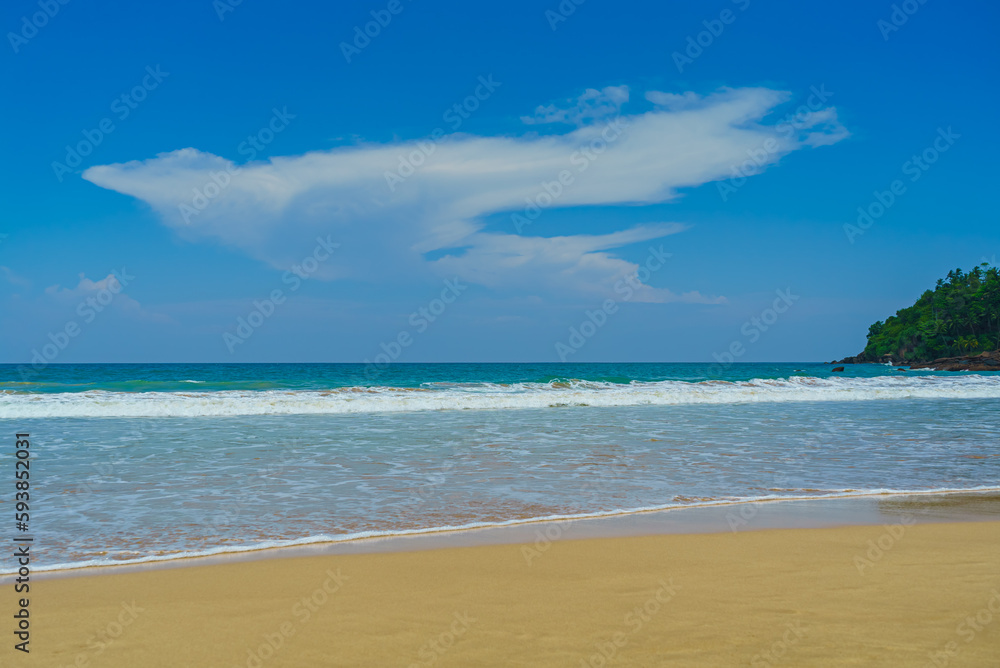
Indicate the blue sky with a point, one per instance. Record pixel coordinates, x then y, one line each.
648 148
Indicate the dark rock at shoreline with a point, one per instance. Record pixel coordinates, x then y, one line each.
988 361
856 359
837 368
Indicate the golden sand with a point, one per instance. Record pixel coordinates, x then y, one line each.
859 596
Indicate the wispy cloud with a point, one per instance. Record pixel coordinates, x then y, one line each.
593 105
673 101
14 279
113 296
577 263
433 222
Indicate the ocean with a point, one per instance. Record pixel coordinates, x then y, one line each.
147 462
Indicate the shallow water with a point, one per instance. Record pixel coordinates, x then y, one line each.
290 465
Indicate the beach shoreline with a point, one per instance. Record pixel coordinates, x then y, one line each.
716 517
893 594
125 489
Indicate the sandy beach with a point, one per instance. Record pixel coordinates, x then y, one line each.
549 334
888 595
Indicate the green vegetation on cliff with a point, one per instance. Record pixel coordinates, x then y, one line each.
960 316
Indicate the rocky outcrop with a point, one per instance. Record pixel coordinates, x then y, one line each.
988 361
859 359
847 360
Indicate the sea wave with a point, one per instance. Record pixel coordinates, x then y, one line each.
6 574
489 396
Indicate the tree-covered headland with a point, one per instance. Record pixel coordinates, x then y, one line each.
959 317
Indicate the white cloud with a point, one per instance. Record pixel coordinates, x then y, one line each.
89 289
593 105
274 210
673 101
86 287
13 278
573 263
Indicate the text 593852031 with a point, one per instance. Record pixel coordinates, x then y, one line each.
22 541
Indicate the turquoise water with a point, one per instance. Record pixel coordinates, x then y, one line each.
214 377
140 462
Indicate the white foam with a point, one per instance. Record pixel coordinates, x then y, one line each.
312 540
487 396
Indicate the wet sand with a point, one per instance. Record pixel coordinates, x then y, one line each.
896 593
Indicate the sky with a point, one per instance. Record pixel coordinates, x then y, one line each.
540 181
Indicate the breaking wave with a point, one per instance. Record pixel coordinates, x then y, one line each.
490 396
